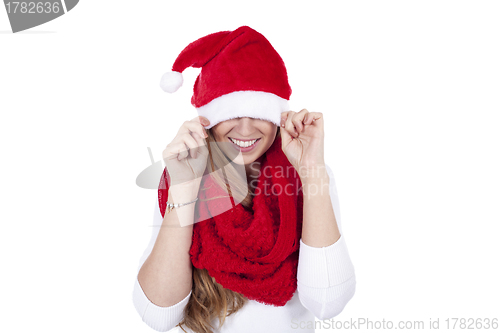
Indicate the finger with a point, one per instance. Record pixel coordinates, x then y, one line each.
191 143
168 152
308 119
173 151
182 151
298 119
289 126
311 117
315 116
202 120
285 136
193 126
202 148
284 116
199 140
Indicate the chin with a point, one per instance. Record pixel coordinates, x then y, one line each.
244 159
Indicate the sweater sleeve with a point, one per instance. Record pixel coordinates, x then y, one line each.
326 279
159 318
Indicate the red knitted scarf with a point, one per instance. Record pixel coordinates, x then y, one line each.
252 252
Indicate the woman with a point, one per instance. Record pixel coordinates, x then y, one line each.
255 244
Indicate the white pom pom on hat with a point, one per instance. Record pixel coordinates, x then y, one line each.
171 81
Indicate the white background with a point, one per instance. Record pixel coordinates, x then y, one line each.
410 95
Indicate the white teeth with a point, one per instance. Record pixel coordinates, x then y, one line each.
243 144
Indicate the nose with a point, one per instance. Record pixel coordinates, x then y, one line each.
245 126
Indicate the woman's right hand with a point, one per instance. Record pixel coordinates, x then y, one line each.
186 156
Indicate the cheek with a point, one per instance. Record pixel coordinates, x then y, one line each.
269 142
219 133
218 137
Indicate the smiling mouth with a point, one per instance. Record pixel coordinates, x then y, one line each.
243 143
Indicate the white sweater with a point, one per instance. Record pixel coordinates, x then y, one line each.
325 283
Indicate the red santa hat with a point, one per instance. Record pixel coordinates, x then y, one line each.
241 75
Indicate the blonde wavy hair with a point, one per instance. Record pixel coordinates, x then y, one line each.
209 299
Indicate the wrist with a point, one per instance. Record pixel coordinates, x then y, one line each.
313 174
183 192
315 181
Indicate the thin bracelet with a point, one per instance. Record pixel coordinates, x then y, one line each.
171 206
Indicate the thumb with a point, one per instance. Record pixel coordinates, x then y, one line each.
285 136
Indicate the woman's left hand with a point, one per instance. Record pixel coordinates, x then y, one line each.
303 139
